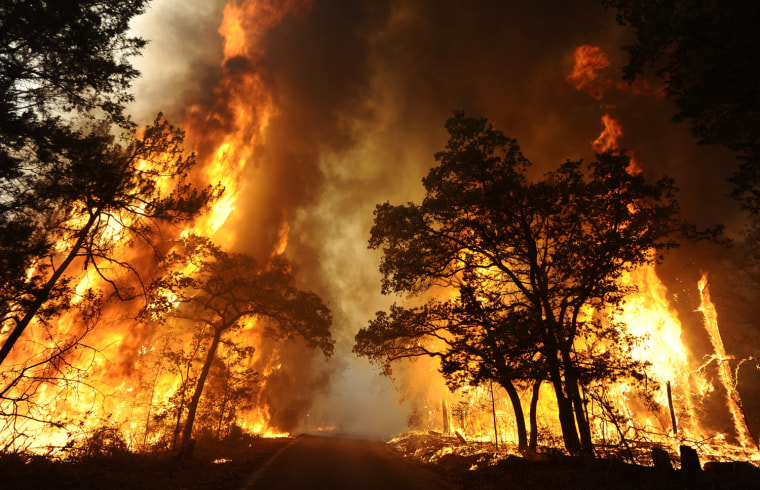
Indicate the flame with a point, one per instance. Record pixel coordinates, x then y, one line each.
589 61
125 380
609 140
646 314
727 379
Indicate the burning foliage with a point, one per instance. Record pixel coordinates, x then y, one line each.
79 356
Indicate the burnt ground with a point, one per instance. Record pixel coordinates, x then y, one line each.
465 466
476 466
145 471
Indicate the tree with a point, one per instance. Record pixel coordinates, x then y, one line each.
63 66
218 292
106 196
528 260
472 340
708 53
70 192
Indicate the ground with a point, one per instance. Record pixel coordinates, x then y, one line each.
257 462
476 465
235 462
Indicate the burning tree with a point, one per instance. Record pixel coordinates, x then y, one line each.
84 192
63 73
219 293
534 265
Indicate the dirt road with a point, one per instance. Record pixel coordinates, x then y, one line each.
313 462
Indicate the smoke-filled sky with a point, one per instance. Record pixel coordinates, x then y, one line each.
362 90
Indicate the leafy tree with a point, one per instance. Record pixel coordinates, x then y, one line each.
471 339
70 190
63 67
108 196
218 292
528 260
708 53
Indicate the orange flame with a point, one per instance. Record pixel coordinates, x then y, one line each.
608 140
589 61
127 380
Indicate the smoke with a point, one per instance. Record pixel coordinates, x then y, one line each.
361 90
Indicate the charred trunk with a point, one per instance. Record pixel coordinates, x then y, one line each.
514 397
565 409
186 447
533 444
573 393
41 296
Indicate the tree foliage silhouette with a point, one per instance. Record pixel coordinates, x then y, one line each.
63 67
219 292
77 180
708 53
526 260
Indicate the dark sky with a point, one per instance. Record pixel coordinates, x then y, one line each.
362 91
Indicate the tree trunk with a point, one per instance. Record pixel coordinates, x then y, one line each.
42 295
514 397
445 413
565 409
533 444
186 447
178 424
150 405
225 399
493 412
574 394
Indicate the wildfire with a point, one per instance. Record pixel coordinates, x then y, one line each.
620 410
134 378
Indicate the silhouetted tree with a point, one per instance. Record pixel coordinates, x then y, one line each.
528 259
109 196
473 342
219 292
708 54
76 179
63 70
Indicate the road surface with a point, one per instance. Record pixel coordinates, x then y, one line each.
318 462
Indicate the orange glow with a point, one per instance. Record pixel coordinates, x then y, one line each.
609 140
134 375
589 61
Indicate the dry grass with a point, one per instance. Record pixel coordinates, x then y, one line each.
144 471
478 465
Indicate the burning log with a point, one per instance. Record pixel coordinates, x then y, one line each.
460 437
672 412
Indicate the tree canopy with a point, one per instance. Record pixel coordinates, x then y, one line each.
527 259
78 181
708 54
64 69
219 292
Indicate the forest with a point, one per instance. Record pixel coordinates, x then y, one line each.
324 229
